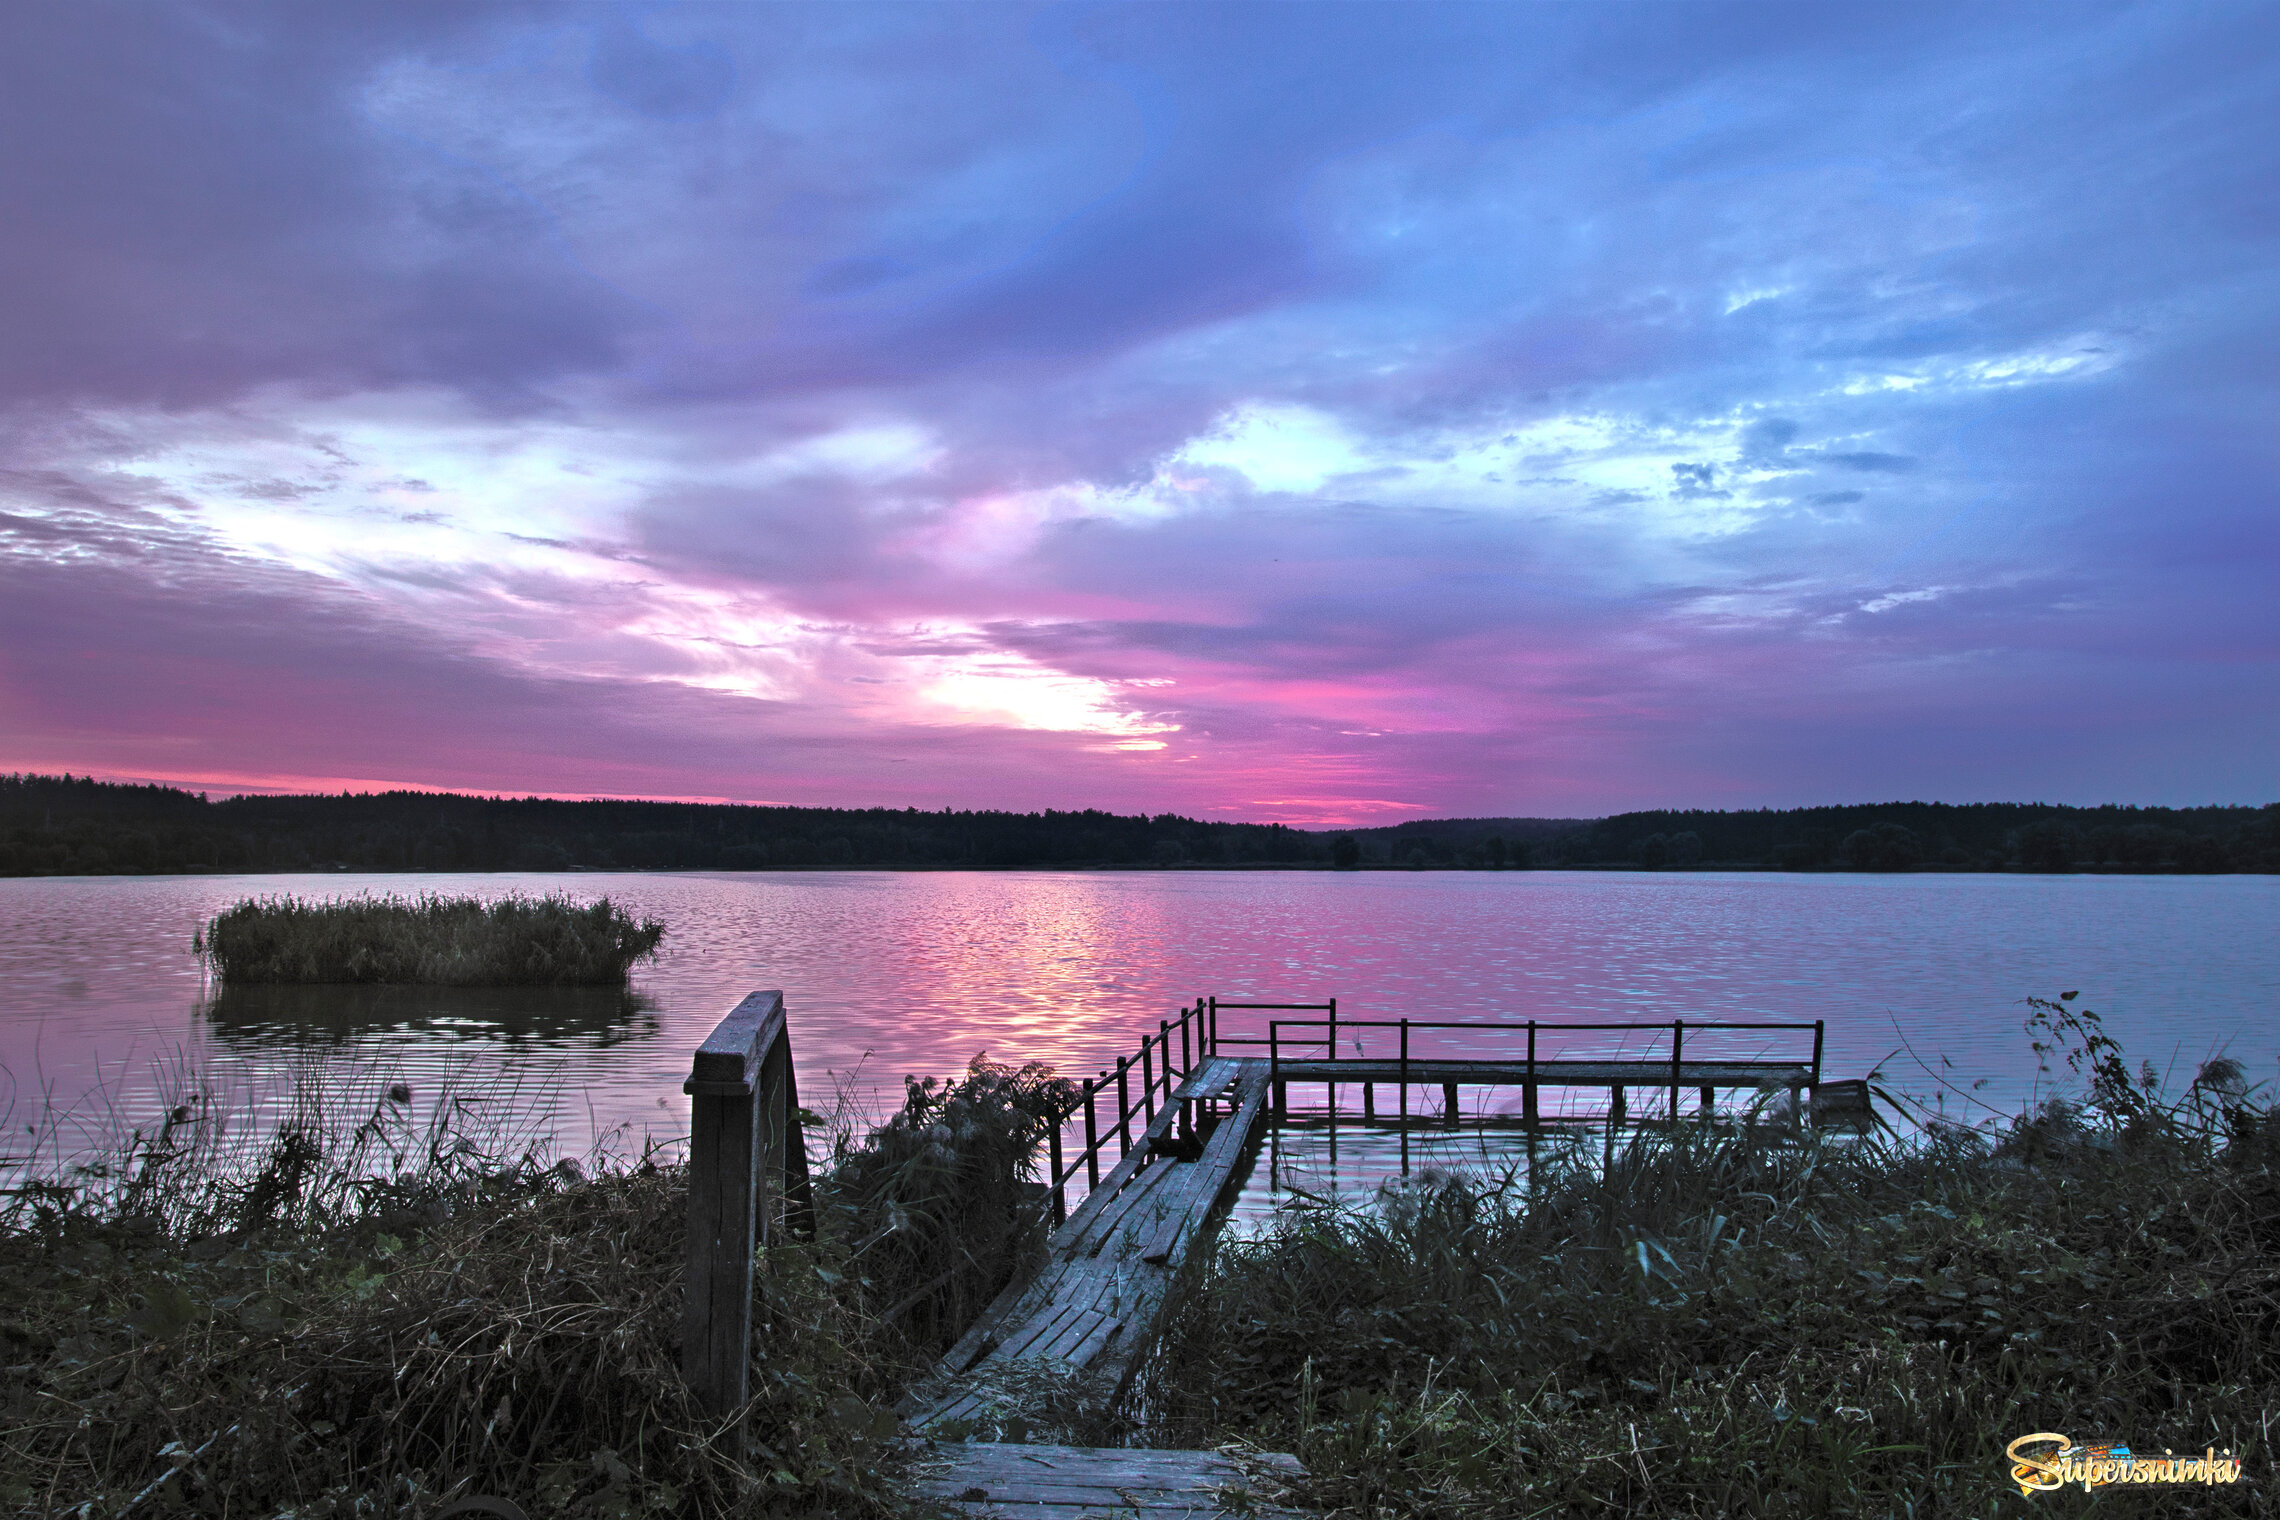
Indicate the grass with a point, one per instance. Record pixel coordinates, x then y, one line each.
446 941
371 1312
1731 1322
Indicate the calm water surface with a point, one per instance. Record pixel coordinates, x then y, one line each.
890 973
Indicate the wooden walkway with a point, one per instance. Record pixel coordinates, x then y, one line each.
1071 1482
1091 1311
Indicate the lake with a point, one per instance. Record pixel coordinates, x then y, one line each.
892 973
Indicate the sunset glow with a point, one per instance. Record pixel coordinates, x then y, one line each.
1317 414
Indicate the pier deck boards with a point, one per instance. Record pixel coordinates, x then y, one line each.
1645 1072
1007 1482
1098 1301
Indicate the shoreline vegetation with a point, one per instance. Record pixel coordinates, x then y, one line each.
371 1309
333 1316
75 826
429 940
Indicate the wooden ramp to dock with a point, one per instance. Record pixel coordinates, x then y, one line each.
1091 1311
1105 1483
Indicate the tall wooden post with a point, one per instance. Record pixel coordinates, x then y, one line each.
745 1145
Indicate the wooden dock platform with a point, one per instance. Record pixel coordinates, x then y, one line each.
1008 1482
1096 1304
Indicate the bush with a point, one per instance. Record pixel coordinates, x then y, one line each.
447 941
370 1319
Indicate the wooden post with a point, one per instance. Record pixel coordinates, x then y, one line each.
1123 1106
1615 1111
1060 1199
747 1155
1405 1097
1092 1136
1709 1104
1528 1088
1147 1082
1274 1070
1448 1105
1369 1100
1677 1048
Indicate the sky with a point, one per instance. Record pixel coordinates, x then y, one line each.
1325 413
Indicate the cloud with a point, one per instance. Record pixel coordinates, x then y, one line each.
1503 411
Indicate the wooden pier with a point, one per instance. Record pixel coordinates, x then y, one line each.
1159 1147
1096 1304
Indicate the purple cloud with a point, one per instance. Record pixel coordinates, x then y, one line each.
1302 412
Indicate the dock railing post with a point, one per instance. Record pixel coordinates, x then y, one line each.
1677 1044
1331 1055
1187 1062
1060 1198
1820 1028
1405 1097
1147 1082
1281 1098
1528 1114
1092 1137
747 1153
1123 1106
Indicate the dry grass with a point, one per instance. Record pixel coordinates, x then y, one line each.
443 941
1730 1323
370 1320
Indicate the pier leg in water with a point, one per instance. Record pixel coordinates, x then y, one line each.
1369 1100
1615 1114
1528 1113
1709 1104
1448 1105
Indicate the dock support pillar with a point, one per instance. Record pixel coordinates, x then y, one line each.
1528 1112
1615 1114
1369 1100
1448 1105
1709 1103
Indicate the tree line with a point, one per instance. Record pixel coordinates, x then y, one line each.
73 825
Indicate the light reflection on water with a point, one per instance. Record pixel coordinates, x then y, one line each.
893 973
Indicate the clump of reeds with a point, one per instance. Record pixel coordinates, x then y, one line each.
941 1206
447 941
372 1319
1730 1322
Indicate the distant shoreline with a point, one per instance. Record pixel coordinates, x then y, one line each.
75 826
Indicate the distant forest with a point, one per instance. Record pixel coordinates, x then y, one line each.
74 826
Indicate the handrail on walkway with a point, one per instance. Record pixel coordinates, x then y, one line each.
748 1178
1180 1046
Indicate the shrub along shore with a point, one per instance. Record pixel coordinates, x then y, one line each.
372 1313
443 941
1726 1323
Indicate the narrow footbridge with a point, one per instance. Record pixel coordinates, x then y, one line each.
1183 1119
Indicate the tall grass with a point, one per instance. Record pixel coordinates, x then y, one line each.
447 941
1724 1322
367 1315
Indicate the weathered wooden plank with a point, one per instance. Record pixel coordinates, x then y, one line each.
1102 1226
1565 1073
1065 1482
1210 1079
